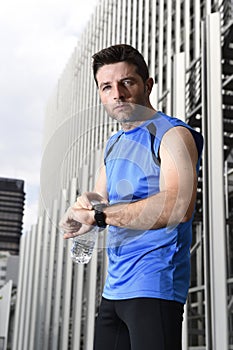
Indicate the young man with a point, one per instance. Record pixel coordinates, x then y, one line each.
147 187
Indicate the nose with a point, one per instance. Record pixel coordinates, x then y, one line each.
119 92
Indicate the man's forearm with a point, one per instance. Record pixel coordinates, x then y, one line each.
161 210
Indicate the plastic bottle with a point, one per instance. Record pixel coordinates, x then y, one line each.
83 246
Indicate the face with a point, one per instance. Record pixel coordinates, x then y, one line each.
122 91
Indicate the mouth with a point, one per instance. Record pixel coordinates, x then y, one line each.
122 107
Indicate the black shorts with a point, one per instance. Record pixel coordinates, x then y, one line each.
139 324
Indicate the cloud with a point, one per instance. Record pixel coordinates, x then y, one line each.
37 38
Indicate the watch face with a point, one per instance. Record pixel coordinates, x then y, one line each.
100 218
99 215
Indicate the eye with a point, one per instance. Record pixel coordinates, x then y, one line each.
128 82
106 87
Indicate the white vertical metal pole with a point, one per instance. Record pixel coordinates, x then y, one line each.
78 279
169 57
153 39
139 27
18 308
179 111
37 270
24 292
134 24
197 28
187 32
208 336
68 266
49 295
58 282
185 329
129 19
214 207
114 14
123 24
177 27
119 22
27 323
38 311
160 52
208 7
90 322
77 307
146 34
179 86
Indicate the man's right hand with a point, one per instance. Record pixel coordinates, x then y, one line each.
88 199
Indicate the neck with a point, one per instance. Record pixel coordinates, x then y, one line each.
126 126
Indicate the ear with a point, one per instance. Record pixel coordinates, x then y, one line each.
148 85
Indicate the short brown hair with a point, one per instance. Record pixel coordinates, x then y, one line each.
120 53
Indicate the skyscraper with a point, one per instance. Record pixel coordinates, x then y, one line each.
11 214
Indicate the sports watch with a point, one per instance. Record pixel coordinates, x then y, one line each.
99 214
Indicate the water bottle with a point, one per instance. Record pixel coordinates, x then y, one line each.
83 246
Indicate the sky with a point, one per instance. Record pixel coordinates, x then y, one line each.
37 38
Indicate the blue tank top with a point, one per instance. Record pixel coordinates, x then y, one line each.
152 263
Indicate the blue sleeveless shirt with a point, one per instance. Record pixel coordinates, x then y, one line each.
151 263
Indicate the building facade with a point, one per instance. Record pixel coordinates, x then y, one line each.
12 198
189 49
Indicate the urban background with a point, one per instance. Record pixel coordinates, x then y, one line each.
188 46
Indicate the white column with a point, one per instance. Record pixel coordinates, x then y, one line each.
129 18
139 27
58 269
169 57
66 300
177 27
185 329
187 32
30 289
179 86
134 23
123 20
197 28
78 278
49 294
37 283
214 218
24 292
153 39
160 53
38 311
91 283
18 307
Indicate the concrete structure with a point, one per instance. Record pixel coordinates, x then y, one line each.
188 46
5 306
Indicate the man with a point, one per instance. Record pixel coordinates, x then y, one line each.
147 188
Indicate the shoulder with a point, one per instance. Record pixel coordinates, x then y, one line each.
172 127
179 142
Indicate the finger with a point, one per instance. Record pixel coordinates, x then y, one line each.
69 235
83 202
80 231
